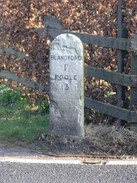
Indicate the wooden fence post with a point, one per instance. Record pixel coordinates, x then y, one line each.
122 33
133 92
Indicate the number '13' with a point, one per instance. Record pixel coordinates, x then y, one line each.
65 86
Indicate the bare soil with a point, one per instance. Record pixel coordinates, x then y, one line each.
100 142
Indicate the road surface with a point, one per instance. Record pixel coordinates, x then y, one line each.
20 165
73 172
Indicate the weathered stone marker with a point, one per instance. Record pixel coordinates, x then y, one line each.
67 86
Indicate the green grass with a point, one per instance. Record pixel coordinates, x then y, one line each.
21 121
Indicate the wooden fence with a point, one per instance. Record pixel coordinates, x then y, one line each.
121 43
118 78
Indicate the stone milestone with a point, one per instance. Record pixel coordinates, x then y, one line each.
67 86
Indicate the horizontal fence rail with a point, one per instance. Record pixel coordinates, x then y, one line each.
108 109
109 76
102 41
111 110
24 81
112 77
10 51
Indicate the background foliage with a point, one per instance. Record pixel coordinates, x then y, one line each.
18 18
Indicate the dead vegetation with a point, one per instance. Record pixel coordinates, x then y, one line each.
100 141
113 140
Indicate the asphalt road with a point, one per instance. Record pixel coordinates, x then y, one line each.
21 165
13 172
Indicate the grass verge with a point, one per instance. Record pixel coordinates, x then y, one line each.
21 121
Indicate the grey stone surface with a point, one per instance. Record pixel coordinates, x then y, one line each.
67 86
